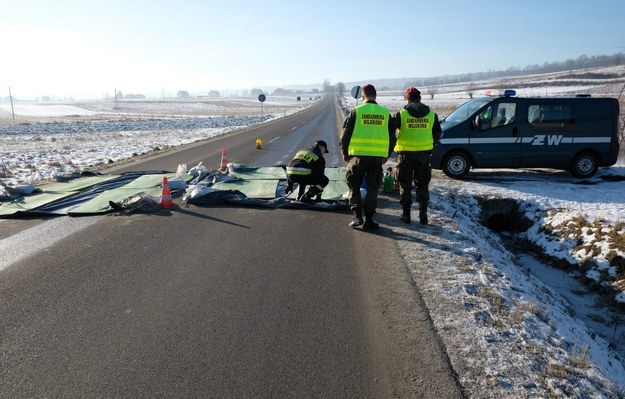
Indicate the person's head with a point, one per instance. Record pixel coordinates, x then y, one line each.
412 95
323 147
368 92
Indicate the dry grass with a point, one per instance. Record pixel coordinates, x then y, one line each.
517 315
557 370
494 298
588 234
4 171
617 237
581 358
575 227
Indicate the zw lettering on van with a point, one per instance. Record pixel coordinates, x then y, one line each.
536 140
372 119
557 139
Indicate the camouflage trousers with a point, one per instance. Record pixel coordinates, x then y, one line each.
414 167
368 169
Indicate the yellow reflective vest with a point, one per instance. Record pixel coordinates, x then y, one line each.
302 163
415 134
370 135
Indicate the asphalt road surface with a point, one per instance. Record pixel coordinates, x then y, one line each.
216 302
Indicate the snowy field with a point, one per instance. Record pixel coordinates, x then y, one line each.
514 325
61 139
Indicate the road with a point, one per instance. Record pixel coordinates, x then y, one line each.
217 302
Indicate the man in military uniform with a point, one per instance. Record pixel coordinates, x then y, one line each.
366 143
418 129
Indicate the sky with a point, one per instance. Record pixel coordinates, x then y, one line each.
89 49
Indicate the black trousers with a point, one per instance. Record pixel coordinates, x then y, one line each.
320 180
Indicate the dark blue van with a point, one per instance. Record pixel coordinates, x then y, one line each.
578 134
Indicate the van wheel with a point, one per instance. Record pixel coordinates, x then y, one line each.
584 165
456 165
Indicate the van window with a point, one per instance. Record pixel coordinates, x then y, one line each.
550 116
464 111
497 115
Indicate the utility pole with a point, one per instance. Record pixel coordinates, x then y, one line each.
11 99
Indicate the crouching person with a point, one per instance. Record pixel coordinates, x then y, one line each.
308 169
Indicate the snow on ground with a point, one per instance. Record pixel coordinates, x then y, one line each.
44 110
65 145
513 326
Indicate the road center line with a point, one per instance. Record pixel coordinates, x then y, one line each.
271 141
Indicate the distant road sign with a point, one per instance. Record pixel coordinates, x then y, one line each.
356 92
299 98
261 98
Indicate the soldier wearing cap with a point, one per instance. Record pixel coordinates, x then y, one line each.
308 169
418 129
366 143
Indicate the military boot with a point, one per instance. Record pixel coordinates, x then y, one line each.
289 189
369 223
423 212
405 216
308 197
313 191
357 220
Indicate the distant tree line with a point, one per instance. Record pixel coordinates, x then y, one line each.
581 62
119 95
286 92
135 96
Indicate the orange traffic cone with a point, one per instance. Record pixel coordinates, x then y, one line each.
166 200
224 161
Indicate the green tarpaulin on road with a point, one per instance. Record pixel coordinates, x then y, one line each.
259 189
88 195
261 173
77 184
32 202
101 203
50 193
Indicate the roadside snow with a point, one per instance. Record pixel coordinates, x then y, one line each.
513 327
